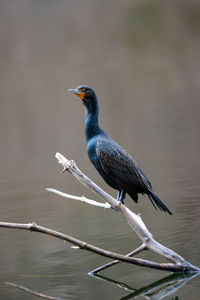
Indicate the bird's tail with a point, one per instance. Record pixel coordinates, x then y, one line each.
157 203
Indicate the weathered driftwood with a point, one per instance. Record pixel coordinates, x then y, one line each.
82 245
177 263
134 221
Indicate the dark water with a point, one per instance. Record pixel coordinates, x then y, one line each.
143 59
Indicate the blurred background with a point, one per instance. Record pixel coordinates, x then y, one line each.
143 60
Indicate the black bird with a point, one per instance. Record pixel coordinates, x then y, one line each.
113 163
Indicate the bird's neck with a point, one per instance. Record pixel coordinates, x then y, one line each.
91 122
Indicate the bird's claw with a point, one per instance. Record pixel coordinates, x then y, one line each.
115 207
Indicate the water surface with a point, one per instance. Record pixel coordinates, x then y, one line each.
142 58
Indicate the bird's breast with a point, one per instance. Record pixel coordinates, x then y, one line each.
91 150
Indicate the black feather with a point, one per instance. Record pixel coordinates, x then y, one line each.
157 202
113 163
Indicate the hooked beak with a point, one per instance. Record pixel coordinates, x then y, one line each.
78 93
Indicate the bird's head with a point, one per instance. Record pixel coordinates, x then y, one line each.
86 94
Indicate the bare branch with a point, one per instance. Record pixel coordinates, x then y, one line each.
179 264
83 199
114 262
82 245
134 221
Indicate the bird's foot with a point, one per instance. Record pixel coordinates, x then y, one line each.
114 207
120 196
121 201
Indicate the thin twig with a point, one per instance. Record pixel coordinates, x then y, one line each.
83 199
114 262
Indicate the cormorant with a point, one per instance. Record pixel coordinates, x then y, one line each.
114 164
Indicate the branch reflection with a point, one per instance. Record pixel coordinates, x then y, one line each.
155 291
